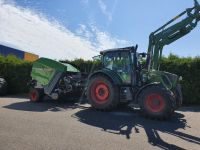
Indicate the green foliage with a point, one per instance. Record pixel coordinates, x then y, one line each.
86 66
189 69
16 72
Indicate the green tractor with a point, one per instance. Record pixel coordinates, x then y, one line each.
124 79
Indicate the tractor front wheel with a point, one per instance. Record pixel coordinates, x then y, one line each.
36 95
102 94
156 102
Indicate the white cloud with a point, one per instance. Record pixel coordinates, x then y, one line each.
101 40
108 12
84 32
106 41
32 32
104 10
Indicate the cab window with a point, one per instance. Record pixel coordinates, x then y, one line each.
120 63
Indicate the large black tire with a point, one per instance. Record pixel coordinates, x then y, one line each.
36 95
178 96
3 87
156 102
102 94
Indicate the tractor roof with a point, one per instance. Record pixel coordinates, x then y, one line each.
118 50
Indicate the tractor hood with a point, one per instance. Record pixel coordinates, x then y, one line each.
167 79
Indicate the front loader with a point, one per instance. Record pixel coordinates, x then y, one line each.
124 79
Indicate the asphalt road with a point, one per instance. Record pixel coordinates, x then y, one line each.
54 125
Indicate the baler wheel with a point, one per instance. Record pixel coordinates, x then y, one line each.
36 95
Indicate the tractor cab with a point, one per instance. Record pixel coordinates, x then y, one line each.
124 61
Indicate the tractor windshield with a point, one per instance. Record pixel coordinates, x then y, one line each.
120 63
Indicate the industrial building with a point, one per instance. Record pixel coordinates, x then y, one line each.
5 51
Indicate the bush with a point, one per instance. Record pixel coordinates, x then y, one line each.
16 72
86 66
189 69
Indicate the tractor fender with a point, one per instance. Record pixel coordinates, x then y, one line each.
111 75
142 88
148 85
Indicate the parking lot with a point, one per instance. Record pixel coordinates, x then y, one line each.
66 125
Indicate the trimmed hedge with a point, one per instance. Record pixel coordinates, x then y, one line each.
189 69
17 73
86 66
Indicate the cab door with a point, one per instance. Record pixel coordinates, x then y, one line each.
119 62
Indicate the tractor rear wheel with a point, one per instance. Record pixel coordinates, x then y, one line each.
36 95
102 94
156 102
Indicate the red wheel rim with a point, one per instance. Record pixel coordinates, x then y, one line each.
155 103
33 96
100 92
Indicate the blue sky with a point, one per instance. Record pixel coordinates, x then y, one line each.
125 22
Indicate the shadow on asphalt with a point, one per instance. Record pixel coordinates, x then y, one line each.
21 96
47 105
126 122
190 109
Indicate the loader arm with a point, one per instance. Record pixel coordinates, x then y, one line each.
169 33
